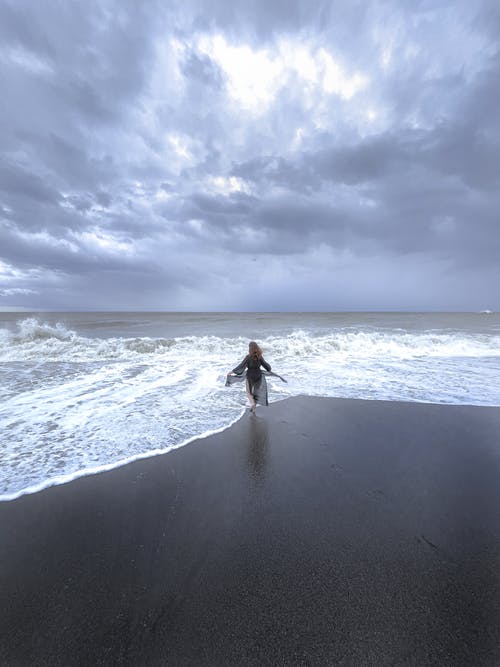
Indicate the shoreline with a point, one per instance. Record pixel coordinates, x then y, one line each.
320 531
153 453
108 467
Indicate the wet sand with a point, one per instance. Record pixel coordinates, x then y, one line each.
321 531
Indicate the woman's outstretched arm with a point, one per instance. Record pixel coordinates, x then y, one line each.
264 363
240 367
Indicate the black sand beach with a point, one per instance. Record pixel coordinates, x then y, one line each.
321 531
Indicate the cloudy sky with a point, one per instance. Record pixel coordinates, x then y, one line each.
250 155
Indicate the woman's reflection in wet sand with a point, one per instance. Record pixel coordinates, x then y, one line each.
258 446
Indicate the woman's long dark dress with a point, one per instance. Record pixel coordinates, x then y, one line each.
256 382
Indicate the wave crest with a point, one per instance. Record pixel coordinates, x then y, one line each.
40 341
31 329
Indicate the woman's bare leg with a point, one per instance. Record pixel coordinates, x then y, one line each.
250 398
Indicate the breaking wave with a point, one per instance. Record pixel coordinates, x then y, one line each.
40 341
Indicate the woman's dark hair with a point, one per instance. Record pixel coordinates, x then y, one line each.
254 350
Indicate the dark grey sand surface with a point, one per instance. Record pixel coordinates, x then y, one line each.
320 532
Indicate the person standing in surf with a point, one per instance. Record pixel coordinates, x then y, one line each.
256 385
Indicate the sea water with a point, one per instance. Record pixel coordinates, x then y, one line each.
82 392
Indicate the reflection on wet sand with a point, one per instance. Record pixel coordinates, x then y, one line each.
257 448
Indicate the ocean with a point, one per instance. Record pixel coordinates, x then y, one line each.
84 392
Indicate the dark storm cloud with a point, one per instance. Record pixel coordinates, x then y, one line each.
103 198
15 181
130 225
279 225
146 146
420 183
295 175
100 50
218 207
263 19
70 74
202 69
368 161
48 252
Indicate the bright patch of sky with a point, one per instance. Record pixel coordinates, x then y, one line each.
101 241
226 185
255 76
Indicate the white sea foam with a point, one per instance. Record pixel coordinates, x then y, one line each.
66 478
41 342
74 404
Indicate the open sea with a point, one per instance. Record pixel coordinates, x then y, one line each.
83 392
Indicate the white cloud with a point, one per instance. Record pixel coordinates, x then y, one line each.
335 79
100 240
225 186
12 291
180 146
26 60
255 76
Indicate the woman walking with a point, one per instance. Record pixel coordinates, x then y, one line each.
256 385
